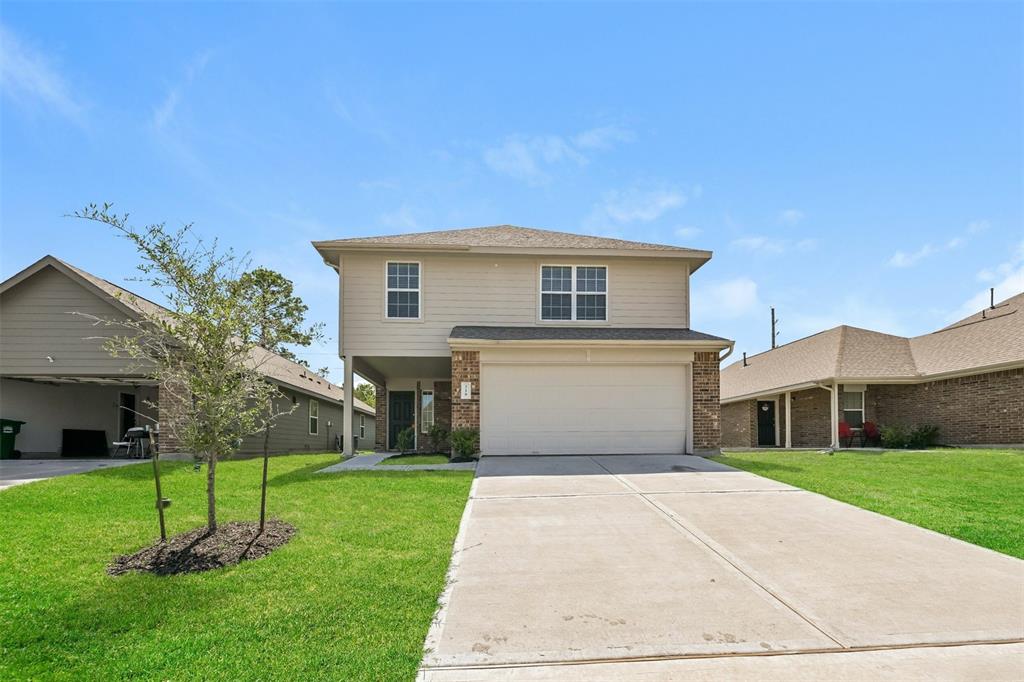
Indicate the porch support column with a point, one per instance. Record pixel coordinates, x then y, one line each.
834 400
347 449
789 420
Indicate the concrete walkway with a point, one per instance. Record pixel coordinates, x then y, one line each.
364 462
17 471
662 567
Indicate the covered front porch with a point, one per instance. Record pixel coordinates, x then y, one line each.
412 393
822 415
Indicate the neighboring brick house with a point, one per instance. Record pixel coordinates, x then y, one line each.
76 399
548 342
967 379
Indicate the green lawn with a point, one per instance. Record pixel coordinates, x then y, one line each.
974 495
415 459
349 598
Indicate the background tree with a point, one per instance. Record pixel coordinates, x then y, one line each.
278 321
367 393
201 349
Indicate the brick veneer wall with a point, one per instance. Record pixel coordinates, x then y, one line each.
739 424
169 409
443 403
465 367
981 409
812 419
381 432
707 408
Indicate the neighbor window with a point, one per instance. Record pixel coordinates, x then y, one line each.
853 408
314 417
362 426
426 411
403 291
573 292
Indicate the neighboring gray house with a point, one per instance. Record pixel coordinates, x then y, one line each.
548 342
55 377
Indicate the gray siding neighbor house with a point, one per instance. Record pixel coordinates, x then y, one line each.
967 379
56 376
547 342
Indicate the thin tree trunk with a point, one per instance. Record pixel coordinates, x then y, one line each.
263 492
211 498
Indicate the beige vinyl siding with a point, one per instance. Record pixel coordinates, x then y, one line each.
36 320
494 290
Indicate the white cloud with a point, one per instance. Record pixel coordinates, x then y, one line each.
791 216
978 226
1007 278
764 244
603 137
901 259
29 78
852 310
636 204
725 299
401 219
687 232
955 243
530 158
163 113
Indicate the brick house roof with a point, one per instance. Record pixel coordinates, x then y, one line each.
985 341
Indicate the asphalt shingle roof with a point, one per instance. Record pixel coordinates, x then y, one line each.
979 341
505 236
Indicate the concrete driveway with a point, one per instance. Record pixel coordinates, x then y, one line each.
661 567
17 471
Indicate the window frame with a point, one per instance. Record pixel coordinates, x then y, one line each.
313 419
424 426
419 291
362 426
862 409
574 292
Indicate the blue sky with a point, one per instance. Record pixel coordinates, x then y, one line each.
857 163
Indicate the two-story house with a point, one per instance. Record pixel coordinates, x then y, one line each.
548 342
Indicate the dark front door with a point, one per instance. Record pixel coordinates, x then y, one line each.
766 423
400 414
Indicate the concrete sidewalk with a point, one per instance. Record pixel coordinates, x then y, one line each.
565 563
18 471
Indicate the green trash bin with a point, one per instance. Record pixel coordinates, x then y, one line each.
9 430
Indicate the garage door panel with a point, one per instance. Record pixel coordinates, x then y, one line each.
582 409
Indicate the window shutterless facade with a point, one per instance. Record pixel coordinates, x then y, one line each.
853 408
314 417
574 293
402 290
426 411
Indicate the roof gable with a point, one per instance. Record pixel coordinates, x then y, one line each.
273 365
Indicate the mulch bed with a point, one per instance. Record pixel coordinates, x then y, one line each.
199 550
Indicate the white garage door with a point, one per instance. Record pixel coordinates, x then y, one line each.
582 409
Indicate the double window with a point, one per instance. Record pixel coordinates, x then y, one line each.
403 291
574 292
853 408
426 411
314 417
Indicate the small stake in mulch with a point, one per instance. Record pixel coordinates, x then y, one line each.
161 501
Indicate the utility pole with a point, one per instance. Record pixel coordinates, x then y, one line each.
775 334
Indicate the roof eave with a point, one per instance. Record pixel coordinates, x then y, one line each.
459 343
330 250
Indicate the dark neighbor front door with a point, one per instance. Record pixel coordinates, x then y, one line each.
766 423
400 414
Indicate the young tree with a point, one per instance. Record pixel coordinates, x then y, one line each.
367 393
201 349
278 319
